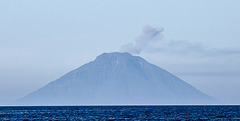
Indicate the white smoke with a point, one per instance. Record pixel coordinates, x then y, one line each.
149 35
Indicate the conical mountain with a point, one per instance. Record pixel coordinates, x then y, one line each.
117 78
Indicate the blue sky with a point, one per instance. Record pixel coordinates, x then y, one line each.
42 40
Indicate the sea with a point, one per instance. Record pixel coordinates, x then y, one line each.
160 112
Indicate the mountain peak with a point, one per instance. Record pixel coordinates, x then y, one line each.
114 55
117 56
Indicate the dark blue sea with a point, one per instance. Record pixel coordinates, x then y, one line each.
120 112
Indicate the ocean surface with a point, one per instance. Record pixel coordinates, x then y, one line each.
120 112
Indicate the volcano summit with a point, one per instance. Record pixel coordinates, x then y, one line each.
117 78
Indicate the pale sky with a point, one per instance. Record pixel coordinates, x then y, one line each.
42 40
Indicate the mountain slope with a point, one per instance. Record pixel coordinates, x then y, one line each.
117 78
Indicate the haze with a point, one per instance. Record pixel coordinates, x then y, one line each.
42 40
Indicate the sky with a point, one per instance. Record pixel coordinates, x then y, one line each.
199 41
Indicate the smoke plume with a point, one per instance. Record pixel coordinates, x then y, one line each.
151 41
149 35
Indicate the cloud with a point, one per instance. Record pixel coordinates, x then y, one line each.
188 48
151 41
149 35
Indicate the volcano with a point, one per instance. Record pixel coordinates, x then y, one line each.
117 78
